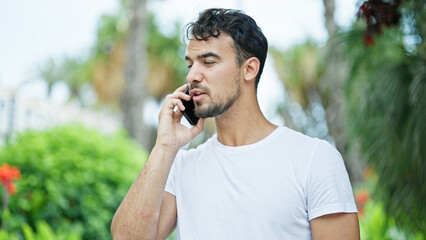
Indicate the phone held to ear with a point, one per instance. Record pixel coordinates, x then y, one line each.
189 110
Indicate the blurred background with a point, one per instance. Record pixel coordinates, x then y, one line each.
81 84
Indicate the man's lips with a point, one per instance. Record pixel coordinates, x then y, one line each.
196 93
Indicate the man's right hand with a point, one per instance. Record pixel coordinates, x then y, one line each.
171 133
148 211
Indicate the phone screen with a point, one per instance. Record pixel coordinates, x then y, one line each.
189 110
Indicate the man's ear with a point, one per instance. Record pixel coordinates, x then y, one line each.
251 68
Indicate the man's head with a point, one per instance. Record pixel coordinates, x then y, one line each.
249 40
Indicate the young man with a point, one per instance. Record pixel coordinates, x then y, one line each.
252 180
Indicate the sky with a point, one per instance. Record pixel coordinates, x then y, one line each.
33 31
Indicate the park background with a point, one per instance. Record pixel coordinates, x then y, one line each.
81 84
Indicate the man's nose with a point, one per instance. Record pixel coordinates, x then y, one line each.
194 75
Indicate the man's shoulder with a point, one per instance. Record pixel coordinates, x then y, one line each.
302 142
296 139
201 148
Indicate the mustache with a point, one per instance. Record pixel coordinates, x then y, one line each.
201 87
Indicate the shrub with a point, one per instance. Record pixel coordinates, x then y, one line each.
43 232
72 177
376 225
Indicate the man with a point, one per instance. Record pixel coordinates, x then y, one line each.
252 180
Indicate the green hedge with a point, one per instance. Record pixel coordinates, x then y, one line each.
72 177
42 232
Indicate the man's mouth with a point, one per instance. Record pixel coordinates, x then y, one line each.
197 94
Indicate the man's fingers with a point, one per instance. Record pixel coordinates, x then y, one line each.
177 115
181 88
175 99
178 103
197 129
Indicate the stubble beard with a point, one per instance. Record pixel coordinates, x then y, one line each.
218 108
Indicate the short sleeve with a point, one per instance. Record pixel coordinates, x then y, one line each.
328 187
170 184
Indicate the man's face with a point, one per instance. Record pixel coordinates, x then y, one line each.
214 75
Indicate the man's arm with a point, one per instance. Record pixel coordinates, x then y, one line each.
168 216
137 217
335 227
147 211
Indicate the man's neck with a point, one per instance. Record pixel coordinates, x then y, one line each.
243 124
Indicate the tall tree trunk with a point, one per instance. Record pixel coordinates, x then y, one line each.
330 24
135 73
331 85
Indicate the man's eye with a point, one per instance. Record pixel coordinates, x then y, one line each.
189 66
208 63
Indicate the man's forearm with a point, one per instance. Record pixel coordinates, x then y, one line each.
138 213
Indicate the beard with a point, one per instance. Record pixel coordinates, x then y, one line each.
217 108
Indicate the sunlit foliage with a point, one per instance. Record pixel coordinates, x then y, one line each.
71 177
386 109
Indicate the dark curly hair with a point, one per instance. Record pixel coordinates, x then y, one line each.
249 40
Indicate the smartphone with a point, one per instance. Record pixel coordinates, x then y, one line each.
189 110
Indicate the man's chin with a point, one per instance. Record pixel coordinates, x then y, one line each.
202 112
208 112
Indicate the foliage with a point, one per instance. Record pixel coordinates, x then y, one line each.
111 29
43 232
386 112
103 65
378 13
75 72
166 55
165 58
300 69
50 72
376 225
72 177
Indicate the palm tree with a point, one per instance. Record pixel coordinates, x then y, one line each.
386 106
76 73
51 73
125 73
314 78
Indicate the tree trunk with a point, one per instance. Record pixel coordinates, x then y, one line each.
330 24
135 73
331 89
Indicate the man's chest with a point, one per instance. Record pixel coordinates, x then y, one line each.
268 192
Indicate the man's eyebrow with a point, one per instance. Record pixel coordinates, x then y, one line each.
209 54
205 55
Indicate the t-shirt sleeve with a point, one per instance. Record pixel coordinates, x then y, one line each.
328 187
170 184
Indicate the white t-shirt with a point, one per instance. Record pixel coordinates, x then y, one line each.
267 190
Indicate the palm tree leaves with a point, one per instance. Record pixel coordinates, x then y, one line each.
166 66
50 72
103 67
386 109
74 72
298 68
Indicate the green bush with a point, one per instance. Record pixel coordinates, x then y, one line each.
376 225
43 232
72 177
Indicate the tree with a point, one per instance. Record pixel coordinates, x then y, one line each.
164 71
51 73
76 73
386 98
111 68
330 24
314 79
135 73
